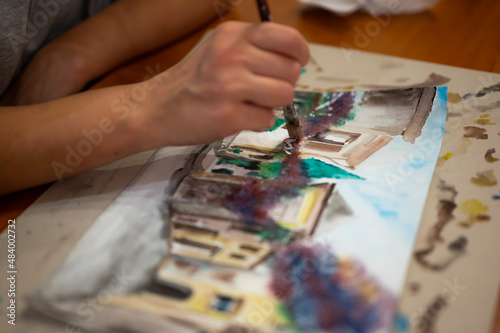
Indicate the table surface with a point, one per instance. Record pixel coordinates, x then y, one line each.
457 33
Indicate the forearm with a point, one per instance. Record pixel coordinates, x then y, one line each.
230 83
129 28
49 141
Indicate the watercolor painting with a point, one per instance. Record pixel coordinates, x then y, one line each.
270 234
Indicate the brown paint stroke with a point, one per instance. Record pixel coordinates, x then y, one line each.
315 63
445 208
454 98
475 133
336 89
484 179
429 318
362 154
489 156
414 288
474 219
225 276
433 80
422 112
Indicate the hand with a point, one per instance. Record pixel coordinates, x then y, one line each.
231 82
54 72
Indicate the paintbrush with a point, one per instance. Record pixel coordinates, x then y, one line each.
291 116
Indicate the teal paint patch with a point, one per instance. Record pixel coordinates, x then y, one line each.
269 170
279 156
250 165
303 71
350 116
314 168
310 168
401 323
277 124
237 151
276 233
223 171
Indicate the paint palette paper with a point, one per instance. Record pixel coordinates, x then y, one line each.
268 234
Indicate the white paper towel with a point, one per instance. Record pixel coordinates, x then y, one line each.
374 7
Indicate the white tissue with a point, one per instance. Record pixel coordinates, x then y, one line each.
374 7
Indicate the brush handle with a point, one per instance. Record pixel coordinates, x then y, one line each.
265 14
291 116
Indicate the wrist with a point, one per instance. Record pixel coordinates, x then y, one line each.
134 109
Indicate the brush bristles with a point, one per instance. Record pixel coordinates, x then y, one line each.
292 122
295 131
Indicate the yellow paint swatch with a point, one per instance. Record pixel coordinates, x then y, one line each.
442 159
447 156
476 210
473 207
485 178
484 122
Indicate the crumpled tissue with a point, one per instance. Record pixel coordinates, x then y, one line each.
374 7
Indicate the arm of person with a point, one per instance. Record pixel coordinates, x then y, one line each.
120 32
230 82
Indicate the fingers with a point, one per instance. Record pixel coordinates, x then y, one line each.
253 117
262 71
274 65
232 81
267 92
280 39
244 86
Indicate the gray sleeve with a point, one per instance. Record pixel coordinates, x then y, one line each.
28 25
14 16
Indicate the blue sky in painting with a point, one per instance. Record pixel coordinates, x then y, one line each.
388 205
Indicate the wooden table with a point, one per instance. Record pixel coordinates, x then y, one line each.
457 33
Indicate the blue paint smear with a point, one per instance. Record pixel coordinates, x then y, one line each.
388 213
310 281
401 323
466 96
496 197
